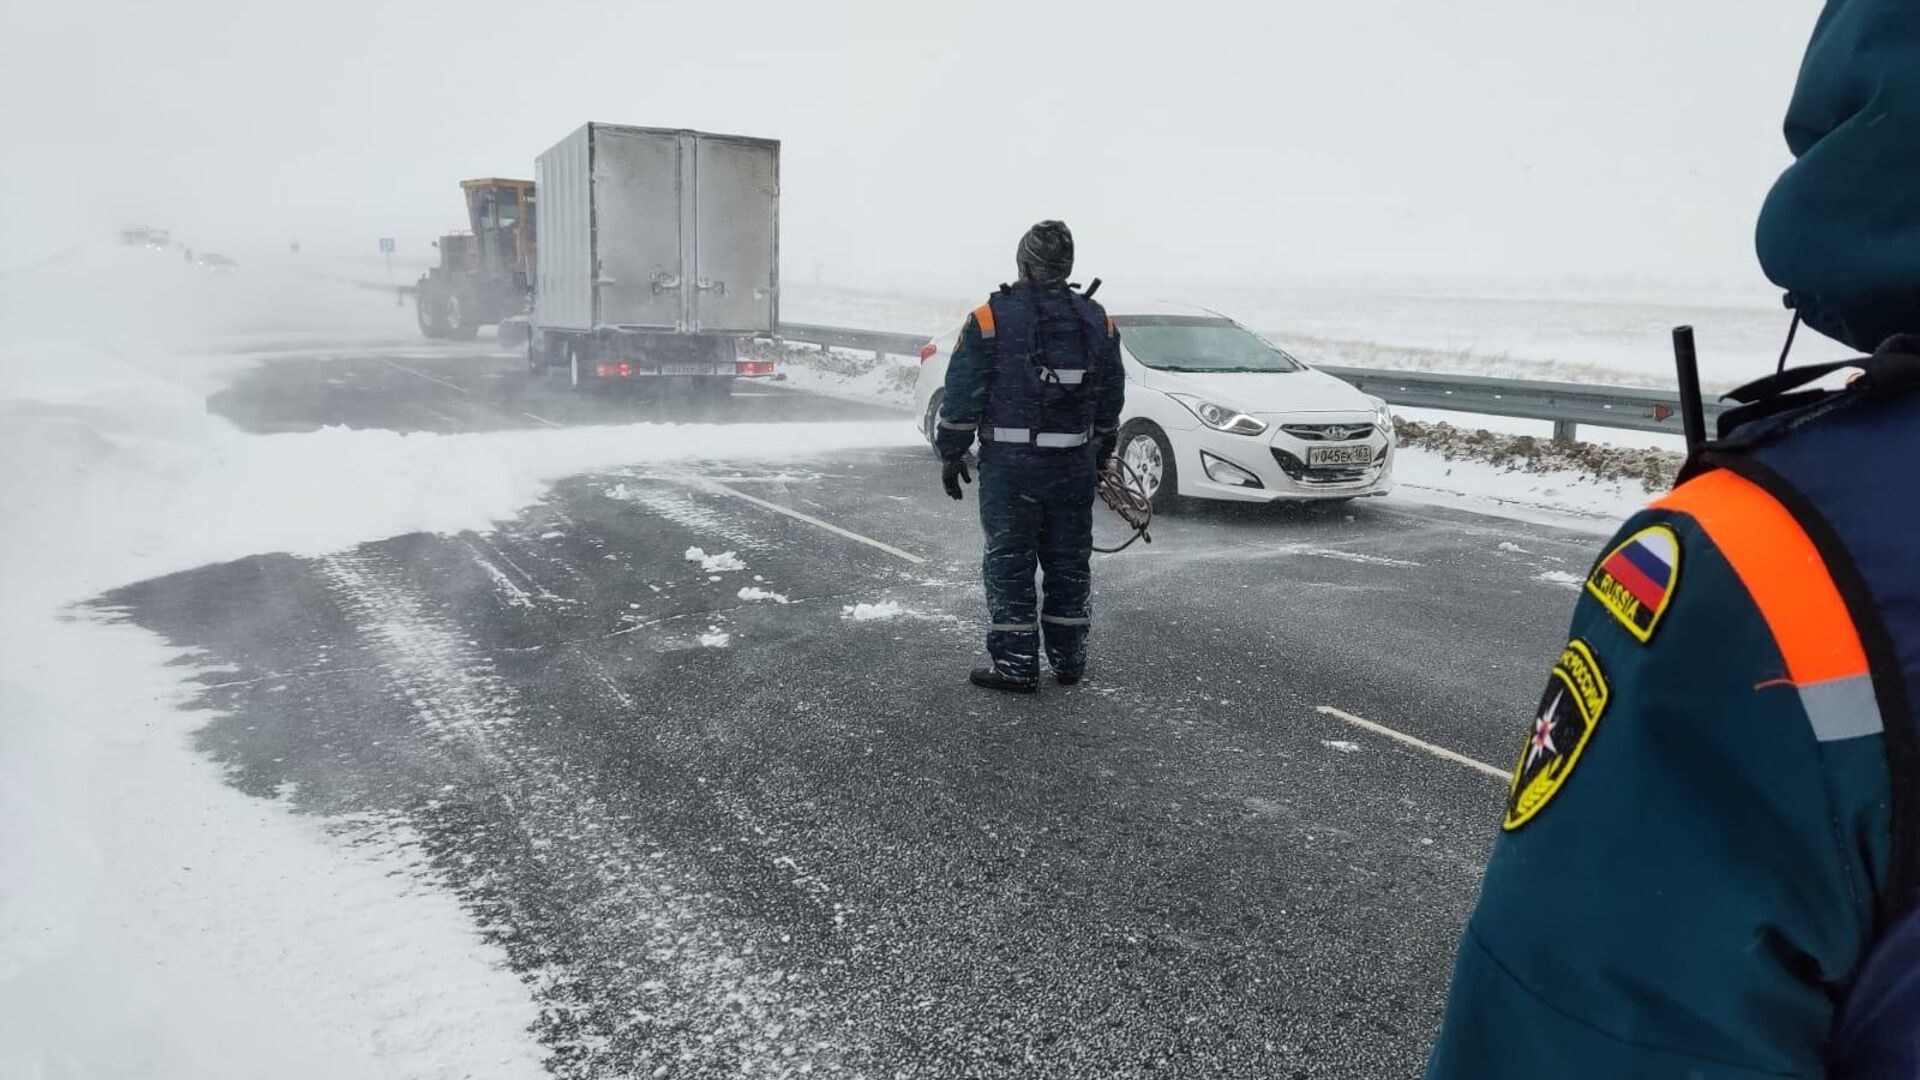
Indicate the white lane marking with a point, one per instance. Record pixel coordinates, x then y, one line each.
1343 556
1419 744
424 375
541 419
816 522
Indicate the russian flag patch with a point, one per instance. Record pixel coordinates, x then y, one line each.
1636 580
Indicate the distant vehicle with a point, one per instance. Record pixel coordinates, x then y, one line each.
658 254
485 275
142 236
219 264
1216 412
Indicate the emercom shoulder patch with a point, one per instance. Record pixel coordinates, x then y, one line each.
1569 712
1637 580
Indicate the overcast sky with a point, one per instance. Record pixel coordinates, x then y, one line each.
1505 138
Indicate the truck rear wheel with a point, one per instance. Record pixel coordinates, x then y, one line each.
579 374
426 310
458 318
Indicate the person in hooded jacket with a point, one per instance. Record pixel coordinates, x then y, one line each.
1707 867
1036 377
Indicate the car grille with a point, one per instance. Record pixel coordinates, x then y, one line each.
1330 475
1329 432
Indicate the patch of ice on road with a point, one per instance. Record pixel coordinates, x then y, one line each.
725 562
1560 577
554 534
1341 745
885 609
750 593
715 638
1510 546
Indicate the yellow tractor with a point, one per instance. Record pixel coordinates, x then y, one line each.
486 274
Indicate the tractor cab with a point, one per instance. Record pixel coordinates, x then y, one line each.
500 213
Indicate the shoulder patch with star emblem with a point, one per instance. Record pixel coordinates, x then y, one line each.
1569 712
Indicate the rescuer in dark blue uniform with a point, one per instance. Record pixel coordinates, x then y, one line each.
1036 376
1708 867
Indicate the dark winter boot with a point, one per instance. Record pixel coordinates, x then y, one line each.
990 679
1067 678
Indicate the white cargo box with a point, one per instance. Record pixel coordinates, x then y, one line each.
651 229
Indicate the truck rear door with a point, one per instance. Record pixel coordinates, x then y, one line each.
736 247
637 228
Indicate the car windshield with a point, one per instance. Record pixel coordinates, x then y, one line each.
1197 343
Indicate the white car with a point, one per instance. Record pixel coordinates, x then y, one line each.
1215 412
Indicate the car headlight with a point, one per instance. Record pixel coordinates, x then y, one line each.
1382 416
1219 417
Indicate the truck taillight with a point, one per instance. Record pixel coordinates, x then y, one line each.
927 351
603 370
626 369
752 369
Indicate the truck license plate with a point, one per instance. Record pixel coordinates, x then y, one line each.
1339 455
686 369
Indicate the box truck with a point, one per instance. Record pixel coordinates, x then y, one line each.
658 255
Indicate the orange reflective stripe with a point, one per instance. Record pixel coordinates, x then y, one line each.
983 315
1782 571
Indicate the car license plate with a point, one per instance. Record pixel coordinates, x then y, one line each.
1339 455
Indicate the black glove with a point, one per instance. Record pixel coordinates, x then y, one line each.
952 472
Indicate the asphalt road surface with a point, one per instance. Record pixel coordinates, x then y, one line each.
752 822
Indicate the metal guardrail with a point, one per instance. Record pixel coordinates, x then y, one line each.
879 342
1565 405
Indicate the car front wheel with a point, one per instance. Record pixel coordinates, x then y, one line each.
931 424
1144 449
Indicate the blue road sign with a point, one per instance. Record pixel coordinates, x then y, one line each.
386 245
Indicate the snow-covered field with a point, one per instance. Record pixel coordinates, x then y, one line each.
1620 339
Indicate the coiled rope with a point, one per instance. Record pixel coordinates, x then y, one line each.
1121 489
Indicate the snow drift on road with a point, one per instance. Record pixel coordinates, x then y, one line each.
153 921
